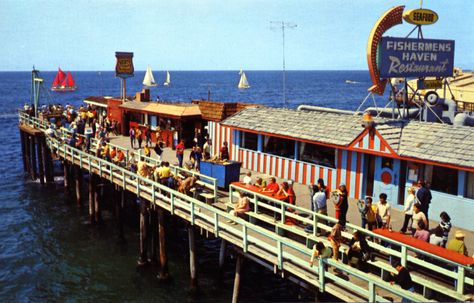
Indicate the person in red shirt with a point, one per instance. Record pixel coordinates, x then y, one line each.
272 187
180 152
224 152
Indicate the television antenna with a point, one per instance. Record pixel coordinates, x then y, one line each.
283 25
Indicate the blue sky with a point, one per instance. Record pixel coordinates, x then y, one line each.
211 34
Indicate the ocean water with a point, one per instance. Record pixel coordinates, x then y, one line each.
48 252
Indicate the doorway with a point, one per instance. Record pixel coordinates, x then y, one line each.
369 173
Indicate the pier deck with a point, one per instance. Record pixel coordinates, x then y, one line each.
285 249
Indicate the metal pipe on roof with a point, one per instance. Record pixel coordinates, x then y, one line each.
325 109
463 119
387 112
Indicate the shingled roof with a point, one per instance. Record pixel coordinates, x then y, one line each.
433 142
218 111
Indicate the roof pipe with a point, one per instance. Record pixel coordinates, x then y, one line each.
326 109
387 112
463 119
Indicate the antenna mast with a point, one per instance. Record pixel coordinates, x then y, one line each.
283 25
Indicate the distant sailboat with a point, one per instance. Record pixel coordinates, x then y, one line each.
243 83
168 79
148 80
63 82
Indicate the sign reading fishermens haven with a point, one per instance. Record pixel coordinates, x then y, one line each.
124 67
406 57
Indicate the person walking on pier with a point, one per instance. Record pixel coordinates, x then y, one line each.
132 137
180 152
344 207
139 134
383 212
408 209
445 225
423 196
335 238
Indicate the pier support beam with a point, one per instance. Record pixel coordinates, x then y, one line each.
97 199
33 172
78 181
66 175
119 204
48 162
23 150
192 258
164 274
144 231
92 189
39 150
238 267
27 153
222 252
154 234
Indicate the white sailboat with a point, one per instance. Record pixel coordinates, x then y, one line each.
149 80
168 79
243 83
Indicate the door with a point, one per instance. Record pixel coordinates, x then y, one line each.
402 182
369 173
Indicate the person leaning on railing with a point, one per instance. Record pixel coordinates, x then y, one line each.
320 251
242 206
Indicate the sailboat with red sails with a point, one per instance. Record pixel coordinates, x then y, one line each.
63 82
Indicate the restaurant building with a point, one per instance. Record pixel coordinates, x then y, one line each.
385 158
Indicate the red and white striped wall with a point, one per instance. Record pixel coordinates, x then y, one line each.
371 141
349 164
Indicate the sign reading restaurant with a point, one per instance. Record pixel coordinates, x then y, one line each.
407 57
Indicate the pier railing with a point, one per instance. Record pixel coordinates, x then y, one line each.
284 253
302 216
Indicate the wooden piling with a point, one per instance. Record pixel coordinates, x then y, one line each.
238 267
154 234
40 159
222 252
66 175
48 161
97 200
91 187
144 222
33 158
23 150
78 181
119 204
27 153
164 274
192 258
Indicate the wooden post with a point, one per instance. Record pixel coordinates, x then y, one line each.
78 177
144 221
164 274
28 153
119 203
23 150
192 258
48 162
222 259
154 234
66 175
97 200
40 159
92 186
238 266
33 158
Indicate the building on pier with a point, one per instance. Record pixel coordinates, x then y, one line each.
388 157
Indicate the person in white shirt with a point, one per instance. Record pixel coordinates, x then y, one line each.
408 209
417 216
248 178
383 212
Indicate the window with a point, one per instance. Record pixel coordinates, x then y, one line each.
321 155
469 185
279 147
249 141
442 179
387 163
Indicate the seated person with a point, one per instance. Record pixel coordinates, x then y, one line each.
164 172
187 184
421 233
436 238
272 187
359 251
457 244
320 251
113 153
120 160
142 169
260 183
287 191
242 206
248 178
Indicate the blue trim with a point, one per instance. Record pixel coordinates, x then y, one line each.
461 183
260 143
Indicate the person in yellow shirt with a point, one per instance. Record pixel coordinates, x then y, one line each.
147 150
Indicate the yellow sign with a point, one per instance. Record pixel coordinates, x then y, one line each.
420 16
124 67
430 84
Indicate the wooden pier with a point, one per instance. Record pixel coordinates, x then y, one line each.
275 245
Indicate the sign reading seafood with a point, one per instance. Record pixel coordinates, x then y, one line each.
407 57
420 16
124 67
